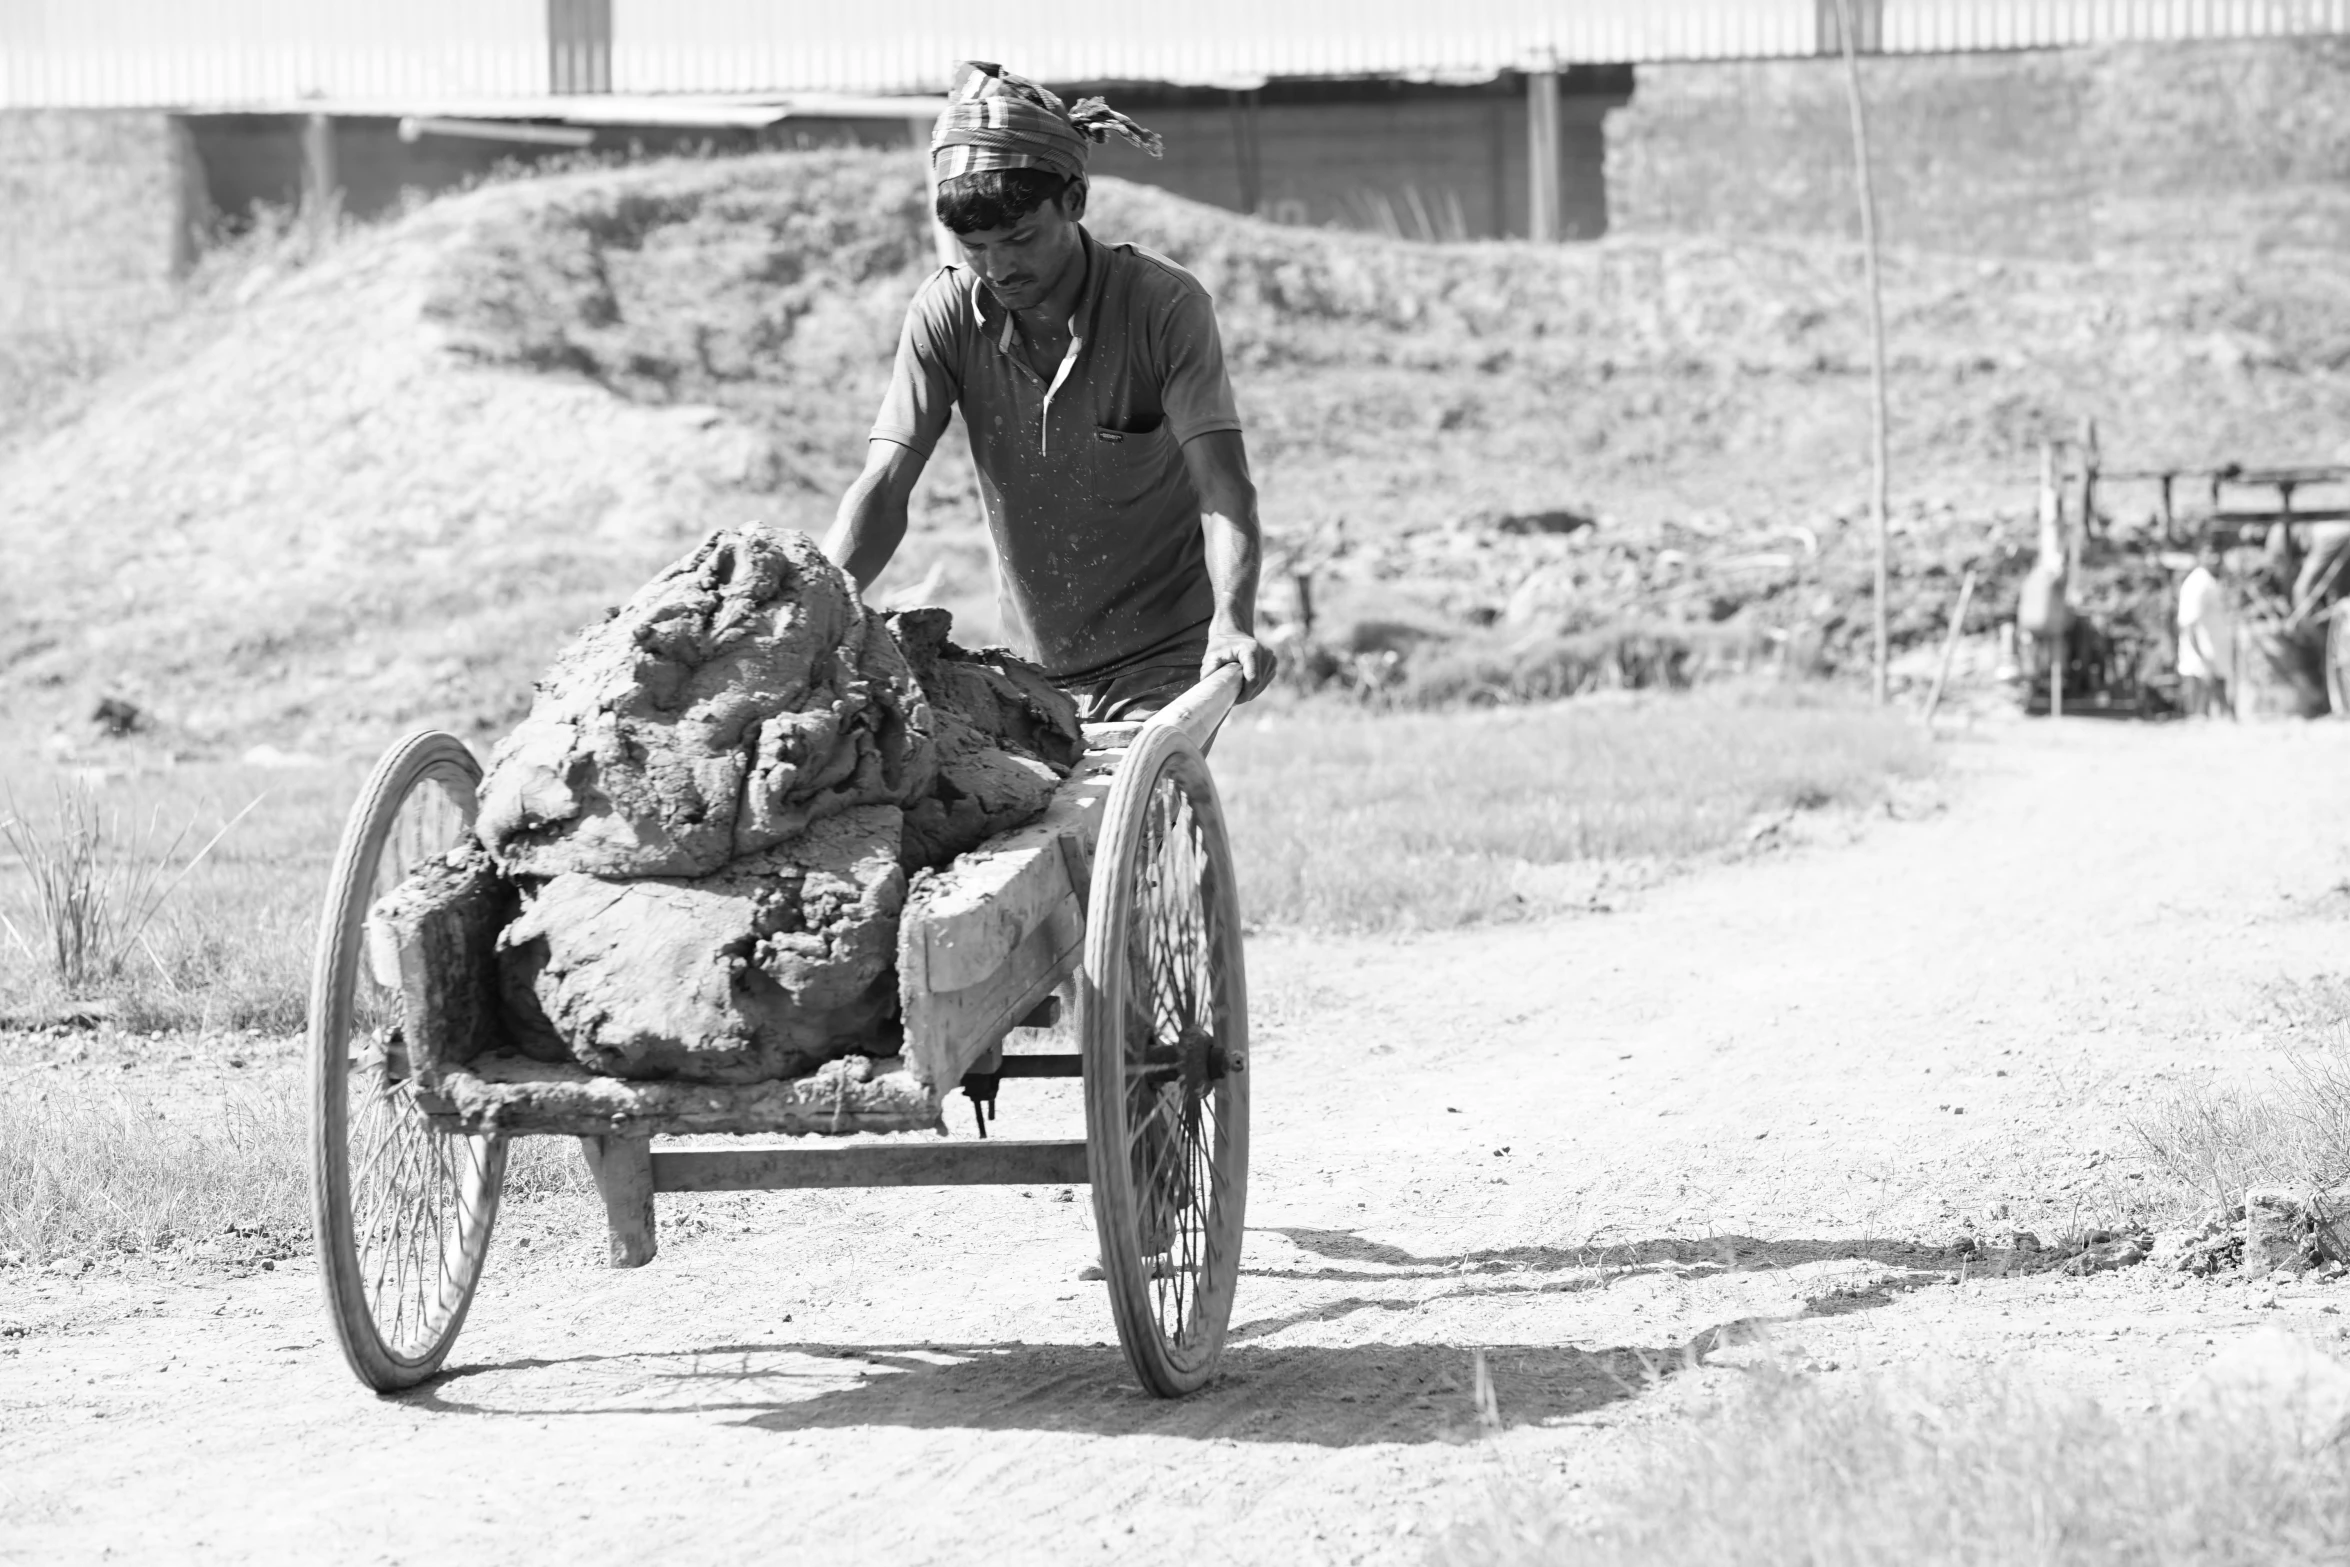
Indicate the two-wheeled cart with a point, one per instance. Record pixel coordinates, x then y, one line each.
1121 898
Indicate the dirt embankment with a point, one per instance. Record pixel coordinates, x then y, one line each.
391 481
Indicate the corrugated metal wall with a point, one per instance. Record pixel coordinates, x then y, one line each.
885 45
228 52
102 53
1953 26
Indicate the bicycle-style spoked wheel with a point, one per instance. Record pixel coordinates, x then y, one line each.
403 1210
1163 1016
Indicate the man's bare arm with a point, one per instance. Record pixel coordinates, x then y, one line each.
871 522
1228 523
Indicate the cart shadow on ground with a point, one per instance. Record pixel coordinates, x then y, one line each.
1345 1254
1314 1394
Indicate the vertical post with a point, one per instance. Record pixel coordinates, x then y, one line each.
918 132
2055 550
2056 674
321 187
1248 170
1542 155
948 253
2089 465
623 1172
2170 520
1880 502
1966 594
579 46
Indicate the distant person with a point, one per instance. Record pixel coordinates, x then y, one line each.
2042 616
1091 383
2207 636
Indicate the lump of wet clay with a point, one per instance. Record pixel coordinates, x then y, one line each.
763 970
709 815
741 696
1004 736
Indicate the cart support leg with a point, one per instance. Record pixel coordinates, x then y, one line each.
623 1171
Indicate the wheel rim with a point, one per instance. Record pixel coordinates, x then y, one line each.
417 1196
1177 1043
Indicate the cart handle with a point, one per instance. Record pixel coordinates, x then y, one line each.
1200 711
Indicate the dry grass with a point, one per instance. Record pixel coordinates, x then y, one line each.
1348 822
230 948
85 1169
96 884
82 1171
1933 1471
2293 1130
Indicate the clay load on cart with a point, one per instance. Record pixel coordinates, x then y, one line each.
698 860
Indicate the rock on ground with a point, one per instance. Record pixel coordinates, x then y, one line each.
1005 737
759 971
743 695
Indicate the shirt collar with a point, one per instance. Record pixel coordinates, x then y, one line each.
988 312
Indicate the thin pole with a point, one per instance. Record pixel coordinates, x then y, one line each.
1542 154
1879 502
1966 594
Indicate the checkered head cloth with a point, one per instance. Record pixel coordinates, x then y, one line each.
995 120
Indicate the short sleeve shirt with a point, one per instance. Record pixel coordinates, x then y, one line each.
1100 564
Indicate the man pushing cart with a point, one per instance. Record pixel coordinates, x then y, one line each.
1116 487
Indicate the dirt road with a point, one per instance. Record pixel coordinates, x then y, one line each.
1770 1091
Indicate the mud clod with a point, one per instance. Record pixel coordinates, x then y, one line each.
1005 738
756 972
743 695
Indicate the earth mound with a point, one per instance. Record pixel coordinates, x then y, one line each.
397 474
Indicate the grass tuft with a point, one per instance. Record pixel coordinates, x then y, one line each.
1934 1470
94 889
2292 1130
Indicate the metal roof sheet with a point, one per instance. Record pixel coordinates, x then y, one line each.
227 53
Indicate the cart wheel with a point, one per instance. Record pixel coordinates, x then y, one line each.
1163 1018
403 1211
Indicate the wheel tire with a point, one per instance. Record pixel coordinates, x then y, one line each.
403 1211
1163 1022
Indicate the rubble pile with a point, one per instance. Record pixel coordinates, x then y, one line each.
1550 603
710 813
2274 1229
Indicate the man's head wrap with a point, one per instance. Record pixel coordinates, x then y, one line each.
995 120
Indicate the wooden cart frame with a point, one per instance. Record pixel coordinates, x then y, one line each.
1121 901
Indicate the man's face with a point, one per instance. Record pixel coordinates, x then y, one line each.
1021 262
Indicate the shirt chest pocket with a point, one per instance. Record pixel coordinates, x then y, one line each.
1124 468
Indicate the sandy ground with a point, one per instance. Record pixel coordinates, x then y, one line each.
1770 1093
